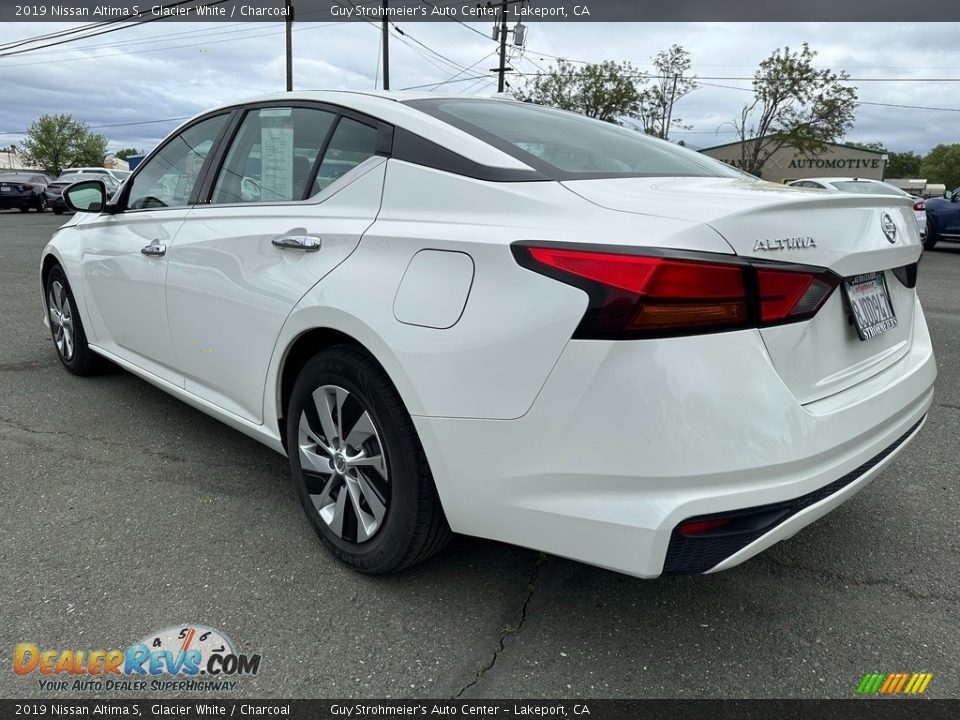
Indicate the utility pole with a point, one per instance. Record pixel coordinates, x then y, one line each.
673 99
503 46
288 4
385 39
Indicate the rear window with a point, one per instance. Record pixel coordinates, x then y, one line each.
20 177
567 146
867 188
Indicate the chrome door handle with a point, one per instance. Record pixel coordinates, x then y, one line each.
154 249
307 243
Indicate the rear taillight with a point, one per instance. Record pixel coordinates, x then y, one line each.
24 188
919 205
657 295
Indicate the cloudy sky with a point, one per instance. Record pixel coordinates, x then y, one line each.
133 85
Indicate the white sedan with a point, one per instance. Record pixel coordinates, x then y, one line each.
865 186
493 318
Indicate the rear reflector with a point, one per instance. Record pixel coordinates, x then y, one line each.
697 527
656 295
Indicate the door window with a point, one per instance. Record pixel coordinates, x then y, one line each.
167 179
273 155
351 144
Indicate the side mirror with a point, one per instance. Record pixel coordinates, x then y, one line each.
86 196
947 195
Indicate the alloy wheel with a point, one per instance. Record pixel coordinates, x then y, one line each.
61 318
344 463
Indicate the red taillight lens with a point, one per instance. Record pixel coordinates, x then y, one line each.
24 188
919 205
791 294
636 296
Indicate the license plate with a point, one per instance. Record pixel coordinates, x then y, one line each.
5 189
870 305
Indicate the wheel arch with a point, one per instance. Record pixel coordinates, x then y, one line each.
306 344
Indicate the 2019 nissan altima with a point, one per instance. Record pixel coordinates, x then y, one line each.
504 320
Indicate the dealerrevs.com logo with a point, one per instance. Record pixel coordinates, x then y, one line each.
186 657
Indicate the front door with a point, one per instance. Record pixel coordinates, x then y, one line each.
125 254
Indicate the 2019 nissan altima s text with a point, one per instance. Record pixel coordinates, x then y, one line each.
508 321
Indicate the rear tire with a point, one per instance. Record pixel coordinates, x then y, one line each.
930 241
42 204
69 338
367 488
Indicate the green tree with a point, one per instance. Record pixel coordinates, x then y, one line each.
126 152
942 165
55 142
670 83
899 164
904 165
606 91
794 104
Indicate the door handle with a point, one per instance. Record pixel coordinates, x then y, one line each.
154 249
307 243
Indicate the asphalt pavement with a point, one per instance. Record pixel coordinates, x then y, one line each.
124 511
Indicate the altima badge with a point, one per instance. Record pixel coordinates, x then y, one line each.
793 243
889 227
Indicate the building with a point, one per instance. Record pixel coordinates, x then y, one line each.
788 163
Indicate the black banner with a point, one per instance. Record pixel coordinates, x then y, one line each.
865 709
482 11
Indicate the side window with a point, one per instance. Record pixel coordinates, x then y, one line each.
351 144
167 179
272 156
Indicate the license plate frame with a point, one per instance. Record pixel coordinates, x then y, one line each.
869 304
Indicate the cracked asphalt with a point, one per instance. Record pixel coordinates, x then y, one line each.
124 511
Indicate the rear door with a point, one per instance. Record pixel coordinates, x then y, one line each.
298 187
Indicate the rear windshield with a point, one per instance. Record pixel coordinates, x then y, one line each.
21 177
567 146
867 188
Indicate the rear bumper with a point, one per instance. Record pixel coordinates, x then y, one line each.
628 439
7 202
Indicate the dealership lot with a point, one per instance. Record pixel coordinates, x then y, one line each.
125 511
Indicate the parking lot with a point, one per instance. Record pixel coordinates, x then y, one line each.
125 511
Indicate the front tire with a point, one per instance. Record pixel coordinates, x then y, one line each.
69 338
930 241
358 465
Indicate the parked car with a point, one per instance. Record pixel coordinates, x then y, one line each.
506 320
55 188
23 191
943 218
868 187
118 175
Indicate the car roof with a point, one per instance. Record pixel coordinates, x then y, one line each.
388 106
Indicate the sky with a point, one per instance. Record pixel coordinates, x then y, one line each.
135 85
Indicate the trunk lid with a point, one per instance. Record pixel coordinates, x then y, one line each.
842 232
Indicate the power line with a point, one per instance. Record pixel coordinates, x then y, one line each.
105 30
